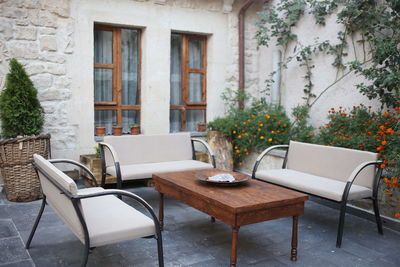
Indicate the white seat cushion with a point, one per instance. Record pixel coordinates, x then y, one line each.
146 170
312 184
111 220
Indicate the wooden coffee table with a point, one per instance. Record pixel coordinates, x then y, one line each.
236 206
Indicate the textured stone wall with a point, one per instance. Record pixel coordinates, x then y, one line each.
38 33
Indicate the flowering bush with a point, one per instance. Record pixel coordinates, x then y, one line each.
366 130
257 128
254 128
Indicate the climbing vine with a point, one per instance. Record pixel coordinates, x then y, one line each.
374 25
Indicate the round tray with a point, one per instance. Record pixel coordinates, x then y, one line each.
240 178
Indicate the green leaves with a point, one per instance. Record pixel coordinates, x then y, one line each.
20 110
378 23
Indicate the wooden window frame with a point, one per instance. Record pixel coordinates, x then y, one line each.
116 67
186 105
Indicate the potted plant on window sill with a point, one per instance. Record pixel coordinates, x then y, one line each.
117 129
135 128
100 130
201 127
22 122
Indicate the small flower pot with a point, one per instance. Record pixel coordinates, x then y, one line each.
117 130
135 130
100 131
201 127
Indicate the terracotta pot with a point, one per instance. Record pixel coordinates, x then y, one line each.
117 130
201 127
135 130
100 131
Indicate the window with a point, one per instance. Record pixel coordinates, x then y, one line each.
188 82
116 76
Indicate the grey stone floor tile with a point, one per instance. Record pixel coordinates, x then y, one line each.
7 229
24 263
3 211
12 250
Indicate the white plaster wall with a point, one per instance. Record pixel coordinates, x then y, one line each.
157 21
259 66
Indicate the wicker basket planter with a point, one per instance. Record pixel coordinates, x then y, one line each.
16 156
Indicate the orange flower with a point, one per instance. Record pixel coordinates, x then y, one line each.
261 125
285 125
231 162
379 148
238 151
248 120
383 166
261 137
244 123
384 142
272 132
270 140
259 129
233 132
236 147
252 115
279 122
382 128
239 136
268 116
334 118
397 215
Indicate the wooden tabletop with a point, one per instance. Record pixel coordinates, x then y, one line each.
253 195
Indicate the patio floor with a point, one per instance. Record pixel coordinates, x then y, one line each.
190 239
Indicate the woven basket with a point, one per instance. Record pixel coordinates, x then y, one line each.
16 157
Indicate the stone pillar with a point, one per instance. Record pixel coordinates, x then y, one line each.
222 149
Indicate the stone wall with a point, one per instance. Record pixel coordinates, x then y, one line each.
38 33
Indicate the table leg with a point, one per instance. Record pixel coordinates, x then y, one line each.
161 212
293 256
235 231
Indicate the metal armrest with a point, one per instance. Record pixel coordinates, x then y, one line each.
76 164
263 154
111 149
127 194
209 150
357 171
104 167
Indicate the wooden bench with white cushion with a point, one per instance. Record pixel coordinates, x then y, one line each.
95 215
132 157
334 173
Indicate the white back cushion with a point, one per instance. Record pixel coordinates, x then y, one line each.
58 201
134 149
331 162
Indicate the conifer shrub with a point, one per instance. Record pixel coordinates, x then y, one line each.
20 111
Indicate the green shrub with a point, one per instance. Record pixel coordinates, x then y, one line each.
301 130
20 110
223 125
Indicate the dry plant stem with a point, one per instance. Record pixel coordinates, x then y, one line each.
332 84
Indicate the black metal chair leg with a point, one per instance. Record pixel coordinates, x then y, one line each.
377 216
160 251
85 255
28 243
341 224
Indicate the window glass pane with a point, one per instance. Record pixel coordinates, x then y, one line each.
194 117
175 121
129 117
195 54
102 47
195 87
106 118
176 70
103 85
130 60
